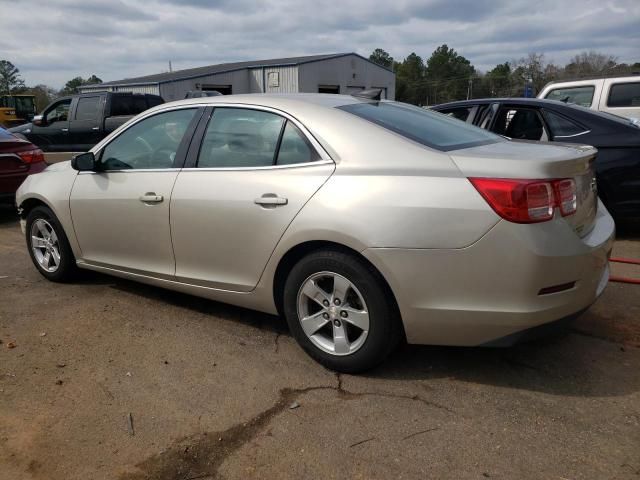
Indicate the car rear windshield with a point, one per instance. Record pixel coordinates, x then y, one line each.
429 128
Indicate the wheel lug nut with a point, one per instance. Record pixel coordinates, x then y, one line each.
337 301
325 316
337 323
344 314
325 303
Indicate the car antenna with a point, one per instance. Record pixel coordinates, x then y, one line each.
369 94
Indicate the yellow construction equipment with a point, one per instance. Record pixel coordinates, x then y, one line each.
16 109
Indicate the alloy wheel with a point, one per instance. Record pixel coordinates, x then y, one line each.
333 313
45 245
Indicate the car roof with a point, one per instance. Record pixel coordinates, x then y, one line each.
538 102
276 100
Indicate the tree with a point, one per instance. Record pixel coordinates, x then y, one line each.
498 80
590 63
529 69
382 58
10 80
92 80
410 80
73 85
449 75
44 95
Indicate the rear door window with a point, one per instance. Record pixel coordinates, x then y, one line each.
561 126
87 108
240 138
578 95
624 95
294 147
421 125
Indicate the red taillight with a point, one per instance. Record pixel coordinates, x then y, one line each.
527 201
566 196
32 156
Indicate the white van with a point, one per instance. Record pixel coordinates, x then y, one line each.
620 95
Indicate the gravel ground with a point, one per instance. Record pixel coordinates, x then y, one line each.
109 379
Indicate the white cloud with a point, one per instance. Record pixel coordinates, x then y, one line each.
54 41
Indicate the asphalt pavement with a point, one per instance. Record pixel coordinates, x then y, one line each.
109 379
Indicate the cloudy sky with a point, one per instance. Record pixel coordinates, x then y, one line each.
51 41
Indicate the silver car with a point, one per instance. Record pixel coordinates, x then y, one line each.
363 222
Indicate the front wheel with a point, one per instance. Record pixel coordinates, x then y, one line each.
340 311
48 246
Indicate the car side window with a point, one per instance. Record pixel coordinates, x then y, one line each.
461 113
150 143
624 95
561 126
240 137
294 147
520 124
58 112
87 108
484 115
578 95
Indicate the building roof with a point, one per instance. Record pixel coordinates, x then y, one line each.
222 68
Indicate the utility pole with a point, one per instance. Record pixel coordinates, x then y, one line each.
170 69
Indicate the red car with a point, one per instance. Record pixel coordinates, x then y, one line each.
18 159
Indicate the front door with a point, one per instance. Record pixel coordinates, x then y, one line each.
121 213
255 170
52 135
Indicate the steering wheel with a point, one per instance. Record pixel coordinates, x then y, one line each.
148 153
163 158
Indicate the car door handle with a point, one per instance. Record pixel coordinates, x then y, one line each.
95 129
64 130
151 198
270 200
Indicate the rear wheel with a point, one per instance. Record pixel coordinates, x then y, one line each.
48 245
339 310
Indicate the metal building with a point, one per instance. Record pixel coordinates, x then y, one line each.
344 73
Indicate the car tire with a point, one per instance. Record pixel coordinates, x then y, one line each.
326 273
39 221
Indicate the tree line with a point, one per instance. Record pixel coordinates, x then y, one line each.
11 82
444 77
447 76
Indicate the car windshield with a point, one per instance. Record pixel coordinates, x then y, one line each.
24 104
429 128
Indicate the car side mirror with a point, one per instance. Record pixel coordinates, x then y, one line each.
85 162
38 121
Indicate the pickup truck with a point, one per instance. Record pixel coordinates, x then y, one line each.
78 122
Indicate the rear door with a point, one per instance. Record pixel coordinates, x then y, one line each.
85 126
244 183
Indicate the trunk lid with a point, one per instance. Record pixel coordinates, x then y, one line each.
538 161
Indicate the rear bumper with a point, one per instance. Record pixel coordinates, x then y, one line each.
490 290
